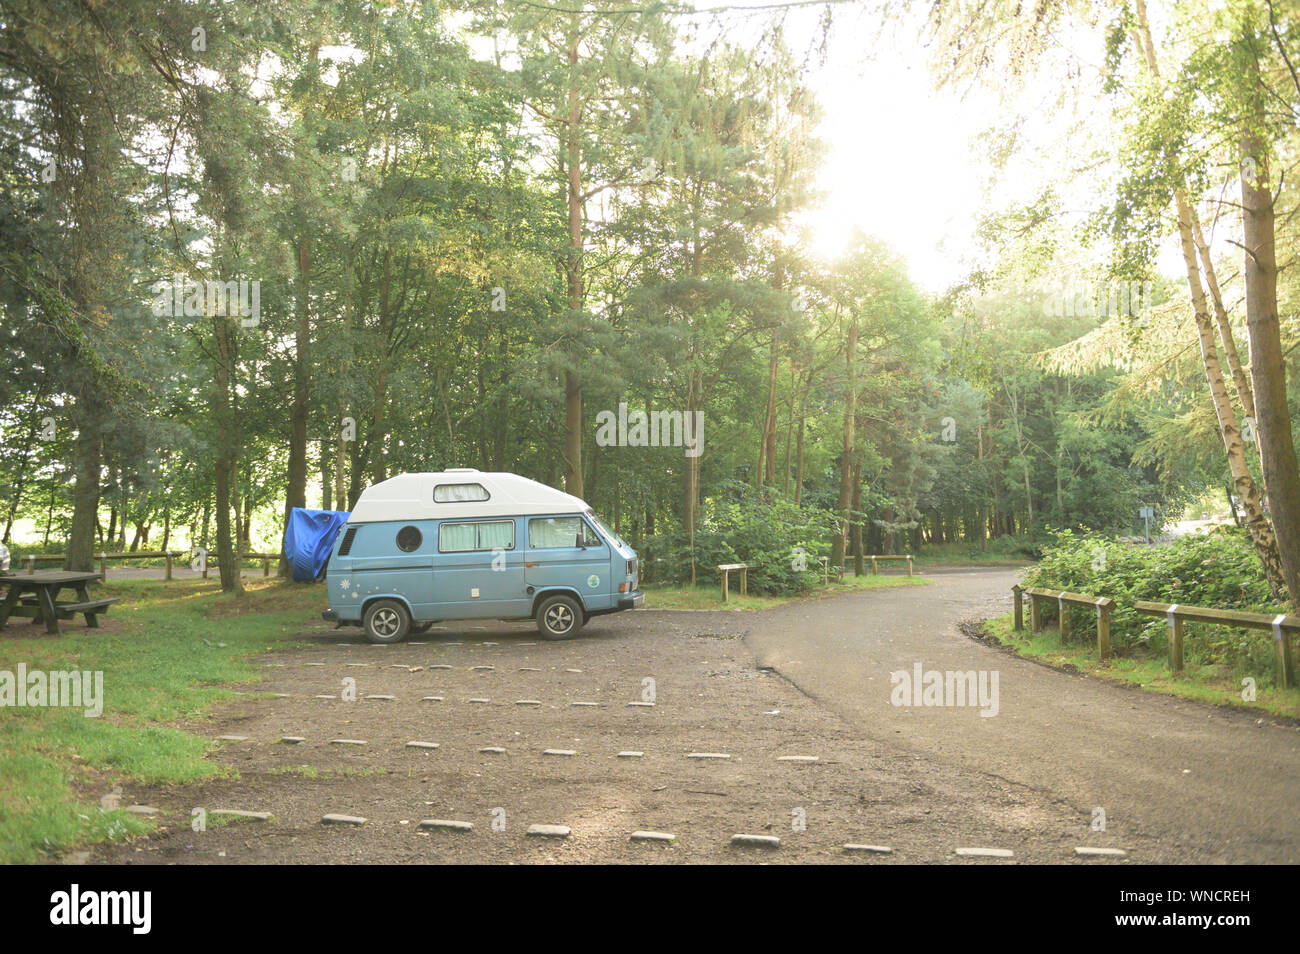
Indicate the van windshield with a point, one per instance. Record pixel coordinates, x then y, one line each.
605 531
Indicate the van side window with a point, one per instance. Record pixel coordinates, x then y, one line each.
459 493
409 539
476 535
546 533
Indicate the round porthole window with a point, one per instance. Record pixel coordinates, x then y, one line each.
409 539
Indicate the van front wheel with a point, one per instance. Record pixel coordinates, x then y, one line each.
386 621
559 617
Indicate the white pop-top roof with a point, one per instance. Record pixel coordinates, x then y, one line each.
410 497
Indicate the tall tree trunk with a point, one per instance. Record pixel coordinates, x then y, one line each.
798 454
87 452
767 454
855 502
1268 364
574 267
840 543
227 441
326 478
296 492
341 445
1257 524
694 398
1240 382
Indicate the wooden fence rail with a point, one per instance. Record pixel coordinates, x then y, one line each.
1104 605
875 569
169 556
1281 624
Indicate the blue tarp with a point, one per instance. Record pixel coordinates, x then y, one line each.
309 538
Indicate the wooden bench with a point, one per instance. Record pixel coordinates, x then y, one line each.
725 570
35 595
875 569
1281 624
1104 605
30 607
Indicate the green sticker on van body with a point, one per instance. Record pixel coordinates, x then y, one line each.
593 581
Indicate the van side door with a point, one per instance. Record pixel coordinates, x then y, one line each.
565 551
479 570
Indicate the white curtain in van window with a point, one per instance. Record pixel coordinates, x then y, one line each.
459 493
455 537
553 532
500 534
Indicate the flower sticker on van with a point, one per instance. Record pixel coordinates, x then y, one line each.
593 581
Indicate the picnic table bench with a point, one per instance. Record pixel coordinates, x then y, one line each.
35 595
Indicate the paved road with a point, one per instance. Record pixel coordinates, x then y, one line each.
1210 784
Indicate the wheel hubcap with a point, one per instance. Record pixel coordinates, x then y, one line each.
559 619
385 622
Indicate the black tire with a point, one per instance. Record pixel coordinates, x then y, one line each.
386 621
559 617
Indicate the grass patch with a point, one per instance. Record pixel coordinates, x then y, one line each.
312 772
709 597
1200 683
166 655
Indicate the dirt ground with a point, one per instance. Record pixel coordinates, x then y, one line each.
709 697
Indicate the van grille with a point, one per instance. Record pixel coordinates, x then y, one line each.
346 546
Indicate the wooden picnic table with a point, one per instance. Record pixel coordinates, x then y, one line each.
42 603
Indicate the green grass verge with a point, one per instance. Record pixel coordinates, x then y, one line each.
710 596
1017 552
1205 683
165 654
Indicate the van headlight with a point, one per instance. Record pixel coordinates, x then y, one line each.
4 558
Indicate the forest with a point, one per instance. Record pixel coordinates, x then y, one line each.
262 255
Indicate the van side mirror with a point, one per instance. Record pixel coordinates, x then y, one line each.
578 541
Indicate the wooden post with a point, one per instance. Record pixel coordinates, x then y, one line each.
826 571
744 580
1019 610
168 554
103 564
266 566
1285 664
1103 630
874 568
725 574
1175 639
1063 616
1035 615
31 563
909 564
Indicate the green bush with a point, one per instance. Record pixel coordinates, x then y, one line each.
743 525
1217 569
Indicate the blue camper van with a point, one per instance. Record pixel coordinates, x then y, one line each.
463 544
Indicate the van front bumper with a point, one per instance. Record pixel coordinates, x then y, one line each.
632 601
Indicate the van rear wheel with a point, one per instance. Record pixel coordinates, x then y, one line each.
559 617
386 621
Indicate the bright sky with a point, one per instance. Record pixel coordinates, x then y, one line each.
903 163
899 162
